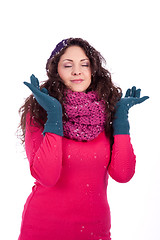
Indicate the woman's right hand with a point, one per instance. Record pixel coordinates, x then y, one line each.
50 104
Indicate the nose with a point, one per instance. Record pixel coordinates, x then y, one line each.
76 71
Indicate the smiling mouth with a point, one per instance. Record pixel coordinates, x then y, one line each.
77 80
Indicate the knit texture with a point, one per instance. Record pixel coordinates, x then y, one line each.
59 47
85 115
69 198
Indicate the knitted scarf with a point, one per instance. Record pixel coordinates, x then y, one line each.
85 115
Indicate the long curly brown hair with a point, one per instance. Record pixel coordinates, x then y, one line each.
101 82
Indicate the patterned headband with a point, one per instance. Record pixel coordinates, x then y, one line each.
59 47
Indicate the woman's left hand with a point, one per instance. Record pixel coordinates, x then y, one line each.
132 97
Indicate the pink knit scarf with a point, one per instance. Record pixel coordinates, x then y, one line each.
85 115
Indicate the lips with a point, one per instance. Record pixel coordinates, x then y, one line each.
77 80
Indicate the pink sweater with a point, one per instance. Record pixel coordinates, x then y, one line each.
69 198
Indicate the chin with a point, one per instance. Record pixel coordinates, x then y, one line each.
79 88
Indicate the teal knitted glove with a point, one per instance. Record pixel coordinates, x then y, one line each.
50 104
121 123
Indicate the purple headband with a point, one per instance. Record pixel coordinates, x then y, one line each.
59 47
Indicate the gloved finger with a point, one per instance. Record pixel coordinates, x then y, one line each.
44 90
128 92
137 93
34 81
140 100
27 84
32 87
133 91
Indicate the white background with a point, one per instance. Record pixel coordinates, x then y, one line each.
127 34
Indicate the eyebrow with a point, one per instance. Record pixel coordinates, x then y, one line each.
70 60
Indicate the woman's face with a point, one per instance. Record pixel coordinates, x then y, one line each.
74 69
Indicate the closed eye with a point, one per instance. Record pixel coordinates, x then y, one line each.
67 66
85 65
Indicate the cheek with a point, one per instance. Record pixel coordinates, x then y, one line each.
63 74
60 72
88 74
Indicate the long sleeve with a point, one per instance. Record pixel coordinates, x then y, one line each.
123 160
44 154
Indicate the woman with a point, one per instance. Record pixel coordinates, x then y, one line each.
72 145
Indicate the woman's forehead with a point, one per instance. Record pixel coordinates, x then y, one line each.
74 52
